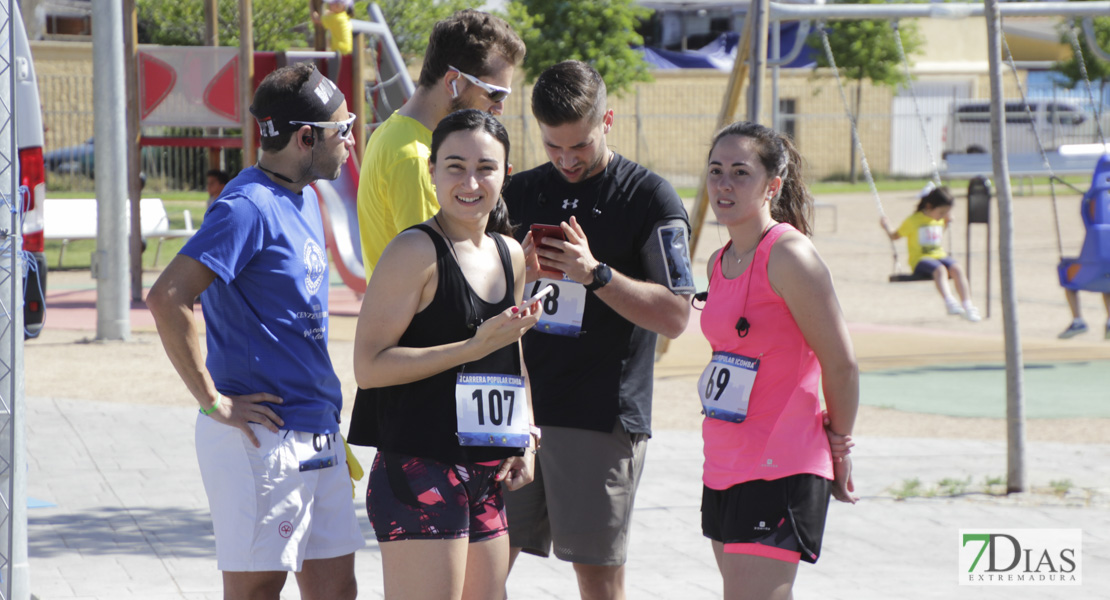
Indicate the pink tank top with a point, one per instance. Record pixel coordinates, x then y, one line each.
782 434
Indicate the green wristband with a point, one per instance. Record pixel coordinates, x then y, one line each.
211 409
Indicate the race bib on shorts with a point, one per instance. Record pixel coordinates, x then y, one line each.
323 454
490 410
562 308
725 386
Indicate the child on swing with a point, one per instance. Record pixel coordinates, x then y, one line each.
923 231
336 18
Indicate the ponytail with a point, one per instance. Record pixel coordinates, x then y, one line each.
794 203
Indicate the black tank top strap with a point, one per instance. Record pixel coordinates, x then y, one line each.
440 243
506 264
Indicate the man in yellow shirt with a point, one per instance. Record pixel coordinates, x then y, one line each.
469 63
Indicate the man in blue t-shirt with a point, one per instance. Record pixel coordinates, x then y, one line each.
267 436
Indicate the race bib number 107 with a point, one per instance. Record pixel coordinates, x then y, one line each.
490 409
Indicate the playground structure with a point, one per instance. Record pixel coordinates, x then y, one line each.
211 86
1091 269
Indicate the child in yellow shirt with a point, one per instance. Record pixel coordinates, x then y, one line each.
336 18
923 231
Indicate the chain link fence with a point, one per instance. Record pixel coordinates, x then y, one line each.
666 125
67 106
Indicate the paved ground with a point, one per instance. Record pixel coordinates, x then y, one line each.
131 520
111 453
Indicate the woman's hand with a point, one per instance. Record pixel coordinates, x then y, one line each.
843 486
841 445
506 327
517 471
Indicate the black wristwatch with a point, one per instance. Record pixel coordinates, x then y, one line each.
602 276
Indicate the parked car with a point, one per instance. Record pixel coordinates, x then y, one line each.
32 175
1058 122
71 159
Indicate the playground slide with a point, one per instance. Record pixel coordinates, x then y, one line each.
338 207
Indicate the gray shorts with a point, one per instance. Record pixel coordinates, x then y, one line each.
582 496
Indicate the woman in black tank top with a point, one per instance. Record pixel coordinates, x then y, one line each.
442 391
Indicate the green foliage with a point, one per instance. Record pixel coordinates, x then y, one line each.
598 32
953 487
181 23
868 49
411 21
1096 68
994 485
909 489
1061 487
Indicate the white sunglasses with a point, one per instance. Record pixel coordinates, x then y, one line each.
496 93
345 127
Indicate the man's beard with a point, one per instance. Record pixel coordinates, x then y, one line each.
457 103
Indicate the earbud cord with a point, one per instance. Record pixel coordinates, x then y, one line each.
258 164
743 326
474 319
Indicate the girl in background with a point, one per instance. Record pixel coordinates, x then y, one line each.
924 231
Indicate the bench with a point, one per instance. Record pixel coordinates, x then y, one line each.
1022 166
68 219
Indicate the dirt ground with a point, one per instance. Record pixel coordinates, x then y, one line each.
892 325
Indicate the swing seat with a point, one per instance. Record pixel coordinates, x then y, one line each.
1090 271
900 277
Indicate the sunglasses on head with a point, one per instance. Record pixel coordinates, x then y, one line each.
345 126
496 93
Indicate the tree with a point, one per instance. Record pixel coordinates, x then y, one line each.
278 24
1098 70
411 21
866 50
598 32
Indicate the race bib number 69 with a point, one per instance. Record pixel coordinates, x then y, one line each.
725 386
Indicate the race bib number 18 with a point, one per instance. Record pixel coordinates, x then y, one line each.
490 410
725 386
562 308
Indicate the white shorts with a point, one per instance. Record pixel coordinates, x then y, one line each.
275 506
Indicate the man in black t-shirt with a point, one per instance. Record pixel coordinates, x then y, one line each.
621 275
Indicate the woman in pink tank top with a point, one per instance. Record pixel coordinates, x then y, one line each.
772 457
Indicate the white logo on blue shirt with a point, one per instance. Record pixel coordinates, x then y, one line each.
315 266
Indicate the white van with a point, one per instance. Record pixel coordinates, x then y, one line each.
1058 122
27 118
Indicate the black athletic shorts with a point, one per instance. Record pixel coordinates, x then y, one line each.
782 519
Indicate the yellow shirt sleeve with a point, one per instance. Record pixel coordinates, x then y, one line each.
395 189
